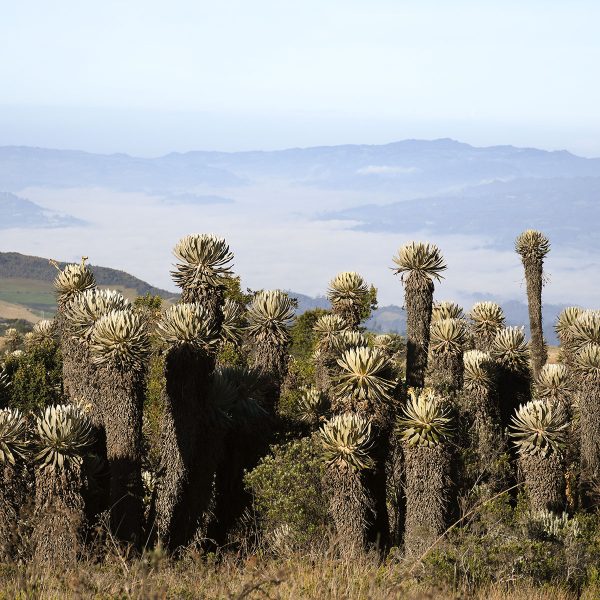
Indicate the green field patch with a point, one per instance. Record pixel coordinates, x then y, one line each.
37 295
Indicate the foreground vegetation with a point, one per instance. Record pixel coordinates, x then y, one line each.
222 447
287 578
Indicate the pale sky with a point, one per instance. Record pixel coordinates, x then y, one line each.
148 77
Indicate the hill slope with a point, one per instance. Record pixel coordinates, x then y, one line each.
26 281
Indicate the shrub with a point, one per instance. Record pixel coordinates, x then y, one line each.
287 492
154 407
513 545
36 378
303 335
299 375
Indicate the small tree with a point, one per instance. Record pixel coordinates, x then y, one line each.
347 443
119 348
447 341
306 331
187 434
487 319
425 430
539 432
13 478
510 352
287 492
269 318
419 264
533 246
36 380
63 433
347 293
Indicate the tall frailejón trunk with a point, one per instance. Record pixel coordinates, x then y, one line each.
123 393
533 278
418 303
427 485
533 246
179 508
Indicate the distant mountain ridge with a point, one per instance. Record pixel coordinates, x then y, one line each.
565 209
392 318
479 198
421 166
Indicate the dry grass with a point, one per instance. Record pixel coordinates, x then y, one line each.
293 578
553 352
17 311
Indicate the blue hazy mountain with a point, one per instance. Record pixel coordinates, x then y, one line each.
392 318
409 164
566 209
20 212
21 167
408 168
439 187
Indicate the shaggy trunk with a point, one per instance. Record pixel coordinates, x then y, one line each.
83 385
427 488
271 361
544 482
190 520
482 436
187 376
84 389
59 519
418 302
73 357
483 340
446 372
374 481
350 313
395 494
13 496
212 299
568 351
123 398
589 426
325 365
349 507
514 389
378 532
533 278
244 450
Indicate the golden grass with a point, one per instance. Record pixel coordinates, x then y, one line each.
553 352
17 311
293 578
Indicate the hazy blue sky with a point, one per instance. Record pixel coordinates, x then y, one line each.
147 77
